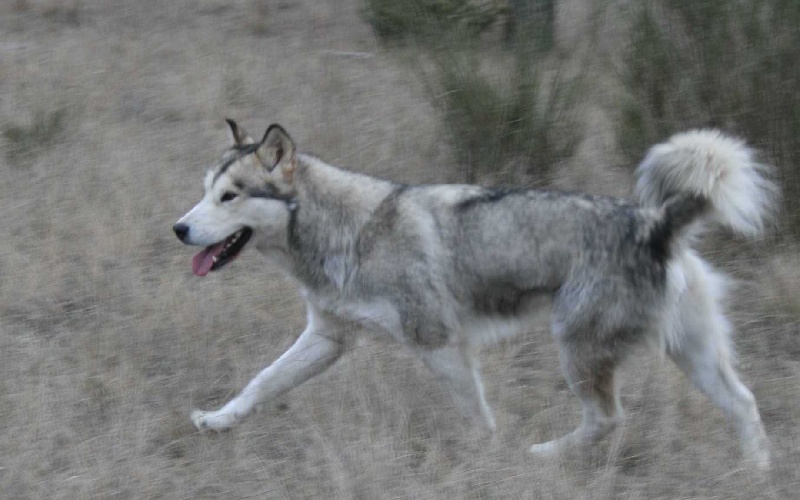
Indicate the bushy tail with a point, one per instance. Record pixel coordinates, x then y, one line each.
704 174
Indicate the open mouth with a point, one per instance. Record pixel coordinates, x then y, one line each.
217 255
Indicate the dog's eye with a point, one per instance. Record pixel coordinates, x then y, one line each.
228 196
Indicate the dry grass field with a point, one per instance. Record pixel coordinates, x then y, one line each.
111 111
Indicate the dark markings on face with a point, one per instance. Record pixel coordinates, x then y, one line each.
267 191
240 152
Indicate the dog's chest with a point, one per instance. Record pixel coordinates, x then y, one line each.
377 316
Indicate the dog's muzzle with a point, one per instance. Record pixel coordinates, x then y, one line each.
181 231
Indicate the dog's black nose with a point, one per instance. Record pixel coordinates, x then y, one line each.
181 231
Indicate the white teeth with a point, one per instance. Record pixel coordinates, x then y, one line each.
233 239
228 243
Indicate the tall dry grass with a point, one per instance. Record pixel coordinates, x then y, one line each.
107 341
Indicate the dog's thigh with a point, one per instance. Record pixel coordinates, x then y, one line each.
703 355
702 349
458 368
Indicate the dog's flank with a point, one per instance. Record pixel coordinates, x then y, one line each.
444 269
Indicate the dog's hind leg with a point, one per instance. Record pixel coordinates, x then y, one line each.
703 354
314 351
594 383
702 350
458 367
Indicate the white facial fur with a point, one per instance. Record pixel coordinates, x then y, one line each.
212 220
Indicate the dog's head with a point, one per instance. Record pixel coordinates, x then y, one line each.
248 198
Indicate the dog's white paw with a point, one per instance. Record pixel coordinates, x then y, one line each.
756 447
212 420
198 419
762 461
759 458
547 449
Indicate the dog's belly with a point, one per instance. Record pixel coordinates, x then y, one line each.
481 328
425 328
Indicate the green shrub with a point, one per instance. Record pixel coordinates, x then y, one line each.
25 141
532 20
516 118
513 119
717 63
423 20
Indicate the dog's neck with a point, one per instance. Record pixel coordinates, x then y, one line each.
332 205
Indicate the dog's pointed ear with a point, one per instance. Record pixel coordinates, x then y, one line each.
277 149
237 135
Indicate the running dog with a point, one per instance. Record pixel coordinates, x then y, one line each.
444 269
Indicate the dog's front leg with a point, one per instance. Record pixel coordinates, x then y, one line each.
315 350
458 367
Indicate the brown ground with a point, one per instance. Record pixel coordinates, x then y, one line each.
107 340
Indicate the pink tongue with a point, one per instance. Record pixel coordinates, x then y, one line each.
202 262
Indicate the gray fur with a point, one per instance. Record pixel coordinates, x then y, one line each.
491 253
439 266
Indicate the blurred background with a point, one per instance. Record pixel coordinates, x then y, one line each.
112 110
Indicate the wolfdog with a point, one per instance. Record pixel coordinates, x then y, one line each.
444 269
